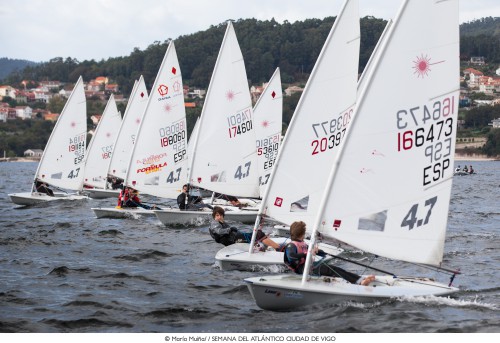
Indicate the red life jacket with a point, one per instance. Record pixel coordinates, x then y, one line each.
123 197
301 249
294 263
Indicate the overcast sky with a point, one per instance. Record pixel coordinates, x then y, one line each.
38 30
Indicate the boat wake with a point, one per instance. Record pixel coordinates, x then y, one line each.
447 301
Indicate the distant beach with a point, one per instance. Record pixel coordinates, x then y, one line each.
458 157
475 158
19 159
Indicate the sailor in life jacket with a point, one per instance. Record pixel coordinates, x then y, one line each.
222 233
296 253
123 197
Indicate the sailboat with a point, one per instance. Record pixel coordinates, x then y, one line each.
158 162
268 119
63 160
388 192
311 142
268 115
224 156
123 146
99 153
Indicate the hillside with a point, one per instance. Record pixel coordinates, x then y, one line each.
488 26
293 47
8 66
480 38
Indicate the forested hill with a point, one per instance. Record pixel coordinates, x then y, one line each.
294 47
488 26
265 46
481 38
8 66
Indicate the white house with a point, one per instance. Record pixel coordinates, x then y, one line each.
292 90
65 93
474 77
495 123
477 60
197 93
8 91
50 84
24 112
33 153
42 96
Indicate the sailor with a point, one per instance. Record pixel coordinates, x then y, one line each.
193 203
129 197
296 253
222 233
42 187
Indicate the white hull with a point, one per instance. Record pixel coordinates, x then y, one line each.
237 257
28 198
102 193
250 204
178 217
285 292
112 212
462 173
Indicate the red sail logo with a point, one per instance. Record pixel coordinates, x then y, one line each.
163 90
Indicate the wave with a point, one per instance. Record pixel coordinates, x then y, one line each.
172 312
147 254
63 270
448 301
87 303
110 232
90 323
126 276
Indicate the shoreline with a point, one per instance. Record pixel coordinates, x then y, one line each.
473 158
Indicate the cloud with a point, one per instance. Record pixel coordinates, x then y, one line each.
39 30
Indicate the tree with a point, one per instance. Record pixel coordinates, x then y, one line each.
56 104
492 146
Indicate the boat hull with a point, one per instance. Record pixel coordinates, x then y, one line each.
29 199
177 217
462 173
102 193
286 292
238 257
121 213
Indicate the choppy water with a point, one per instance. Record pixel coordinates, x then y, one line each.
62 270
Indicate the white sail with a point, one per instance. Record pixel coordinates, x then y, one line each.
390 193
63 160
375 52
268 118
191 138
100 148
130 124
190 148
318 125
159 158
224 157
